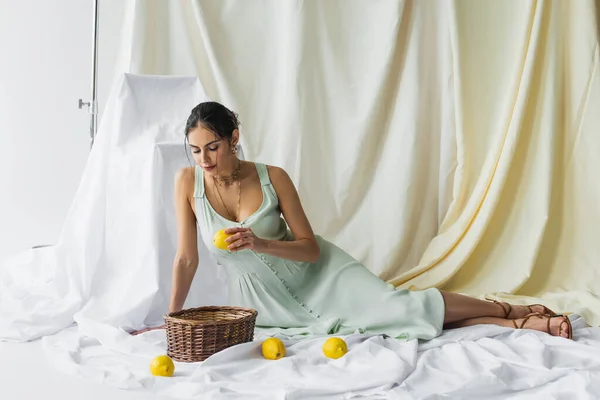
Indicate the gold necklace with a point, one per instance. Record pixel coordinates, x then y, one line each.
228 180
231 217
233 176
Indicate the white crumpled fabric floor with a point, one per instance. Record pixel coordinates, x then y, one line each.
470 363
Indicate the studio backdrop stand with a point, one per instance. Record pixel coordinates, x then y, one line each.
91 105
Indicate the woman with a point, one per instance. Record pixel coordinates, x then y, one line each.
293 278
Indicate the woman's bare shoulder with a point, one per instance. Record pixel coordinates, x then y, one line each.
277 173
184 180
280 180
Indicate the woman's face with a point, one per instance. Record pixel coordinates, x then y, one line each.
210 152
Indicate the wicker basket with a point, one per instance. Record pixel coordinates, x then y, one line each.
197 333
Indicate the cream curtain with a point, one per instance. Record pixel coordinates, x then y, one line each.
442 143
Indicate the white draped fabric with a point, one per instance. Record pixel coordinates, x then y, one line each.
444 144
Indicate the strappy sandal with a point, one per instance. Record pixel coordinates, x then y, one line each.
508 308
549 318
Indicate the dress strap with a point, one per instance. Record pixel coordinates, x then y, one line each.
263 174
198 182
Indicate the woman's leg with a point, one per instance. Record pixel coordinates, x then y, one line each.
508 323
557 326
460 307
464 311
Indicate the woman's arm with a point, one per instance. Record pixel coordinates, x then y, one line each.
186 257
304 248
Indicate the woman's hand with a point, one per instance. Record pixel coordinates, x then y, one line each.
244 238
134 333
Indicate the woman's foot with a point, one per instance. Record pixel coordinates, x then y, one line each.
514 311
134 333
555 325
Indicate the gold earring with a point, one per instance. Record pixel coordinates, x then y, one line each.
234 149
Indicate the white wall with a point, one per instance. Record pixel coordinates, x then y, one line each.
45 63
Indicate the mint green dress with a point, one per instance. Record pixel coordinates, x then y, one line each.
335 295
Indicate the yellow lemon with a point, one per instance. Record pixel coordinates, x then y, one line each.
219 240
334 347
273 349
162 366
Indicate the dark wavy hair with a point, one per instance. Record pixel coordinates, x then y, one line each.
215 117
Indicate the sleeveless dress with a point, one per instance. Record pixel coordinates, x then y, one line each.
335 295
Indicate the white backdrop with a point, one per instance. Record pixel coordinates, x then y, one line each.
361 114
434 166
442 143
44 137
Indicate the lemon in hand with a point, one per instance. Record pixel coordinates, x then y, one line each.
334 347
273 349
162 366
219 240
